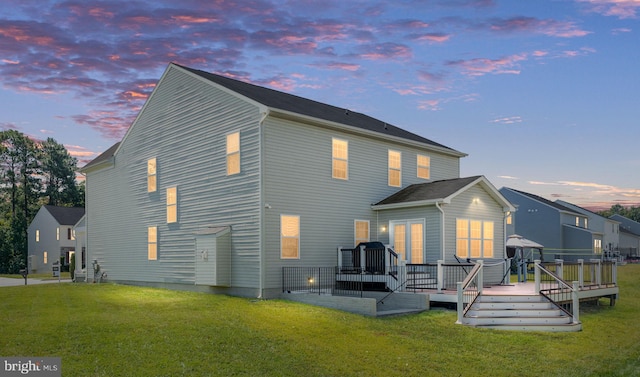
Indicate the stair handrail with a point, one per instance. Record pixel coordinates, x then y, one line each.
574 288
471 288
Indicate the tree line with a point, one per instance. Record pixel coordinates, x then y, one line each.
632 212
32 173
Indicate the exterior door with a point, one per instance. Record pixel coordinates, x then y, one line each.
407 237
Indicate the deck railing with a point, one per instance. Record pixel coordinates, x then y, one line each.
469 290
562 294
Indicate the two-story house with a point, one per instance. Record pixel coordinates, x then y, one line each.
629 236
606 232
563 231
219 184
52 237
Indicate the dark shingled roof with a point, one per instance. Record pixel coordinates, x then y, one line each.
299 105
545 201
428 191
65 215
103 157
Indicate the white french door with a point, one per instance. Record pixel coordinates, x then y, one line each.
407 238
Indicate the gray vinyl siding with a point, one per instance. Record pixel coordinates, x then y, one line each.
184 126
486 209
432 231
298 181
46 224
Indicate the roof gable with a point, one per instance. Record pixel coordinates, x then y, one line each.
303 106
442 191
65 215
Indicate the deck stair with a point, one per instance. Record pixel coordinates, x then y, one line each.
519 312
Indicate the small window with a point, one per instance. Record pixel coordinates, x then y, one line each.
172 205
289 237
340 159
509 218
152 241
69 235
233 153
577 221
586 222
361 231
58 234
395 164
37 235
597 246
152 178
424 167
45 257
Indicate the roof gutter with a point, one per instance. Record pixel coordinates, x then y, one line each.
419 203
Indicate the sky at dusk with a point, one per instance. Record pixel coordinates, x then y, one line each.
543 96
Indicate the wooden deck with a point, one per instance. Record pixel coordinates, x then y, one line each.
518 289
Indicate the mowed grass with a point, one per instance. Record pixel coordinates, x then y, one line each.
114 330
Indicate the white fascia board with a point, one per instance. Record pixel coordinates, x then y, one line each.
419 203
490 188
344 127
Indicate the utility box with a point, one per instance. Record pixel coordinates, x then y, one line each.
213 257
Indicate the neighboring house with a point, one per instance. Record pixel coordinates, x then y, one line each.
219 184
629 236
51 237
606 231
563 231
81 246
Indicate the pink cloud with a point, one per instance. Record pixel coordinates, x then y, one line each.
384 51
483 66
615 8
549 27
432 37
507 120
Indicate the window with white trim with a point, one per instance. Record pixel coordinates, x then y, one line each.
597 246
474 238
395 166
37 235
361 231
289 237
152 179
152 243
424 166
340 159
58 234
172 205
233 153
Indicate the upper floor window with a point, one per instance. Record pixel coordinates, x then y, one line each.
233 153
340 158
172 205
395 166
361 231
586 222
37 235
70 235
424 166
152 243
509 218
289 237
151 175
474 238
577 221
58 234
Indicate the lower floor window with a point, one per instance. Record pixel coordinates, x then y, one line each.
289 237
474 238
152 242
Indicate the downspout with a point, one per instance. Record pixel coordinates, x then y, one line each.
265 114
442 235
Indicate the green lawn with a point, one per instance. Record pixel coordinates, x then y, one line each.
112 330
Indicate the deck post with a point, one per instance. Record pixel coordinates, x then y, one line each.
614 272
576 303
440 272
536 274
581 272
559 265
402 274
480 276
460 302
598 271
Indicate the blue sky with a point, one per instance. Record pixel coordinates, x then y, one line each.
543 95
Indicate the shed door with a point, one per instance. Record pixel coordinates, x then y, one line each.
407 237
206 259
